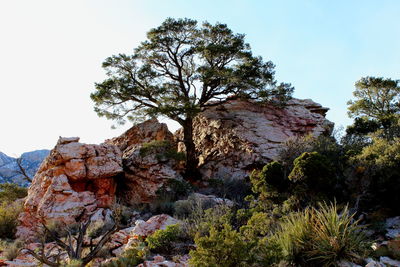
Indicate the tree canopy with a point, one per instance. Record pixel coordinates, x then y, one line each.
181 69
376 98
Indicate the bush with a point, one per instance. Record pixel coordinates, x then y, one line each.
321 237
8 218
164 150
168 194
11 192
221 248
378 171
259 225
174 189
12 250
272 174
230 188
201 221
191 206
162 240
314 170
131 257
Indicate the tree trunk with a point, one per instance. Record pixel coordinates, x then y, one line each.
191 172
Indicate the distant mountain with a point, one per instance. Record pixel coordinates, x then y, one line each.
30 161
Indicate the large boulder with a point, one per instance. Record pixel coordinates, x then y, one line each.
148 152
73 181
233 138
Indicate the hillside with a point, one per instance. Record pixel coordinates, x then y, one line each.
30 161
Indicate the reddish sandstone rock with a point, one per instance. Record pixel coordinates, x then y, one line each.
145 173
75 179
150 130
234 138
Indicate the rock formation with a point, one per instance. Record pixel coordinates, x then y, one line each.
231 140
148 165
75 178
234 138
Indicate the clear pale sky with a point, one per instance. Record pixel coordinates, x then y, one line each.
51 54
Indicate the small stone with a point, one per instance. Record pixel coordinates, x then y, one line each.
389 262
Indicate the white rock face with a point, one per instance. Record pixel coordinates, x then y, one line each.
240 135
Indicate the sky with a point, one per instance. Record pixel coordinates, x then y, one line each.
51 53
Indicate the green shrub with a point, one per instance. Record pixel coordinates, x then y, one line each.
164 150
73 263
259 225
191 206
314 170
131 257
8 218
294 235
272 174
11 192
174 189
162 240
230 188
12 250
221 248
200 221
321 237
377 168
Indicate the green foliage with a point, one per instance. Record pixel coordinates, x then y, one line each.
200 220
221 248
272 174
167 195
8 218
314 170
376 98
131 257
11 192
180 70
73 263
294 235
377 164
174 189
162 240
230 188
12 249
153 81
164 150
260 224
321 237
191 206
324 145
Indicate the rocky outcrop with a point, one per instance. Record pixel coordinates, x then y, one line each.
234 138
148 131
74 180
148 152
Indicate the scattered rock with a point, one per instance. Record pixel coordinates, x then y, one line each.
393 227
347 264
159 261
389 262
